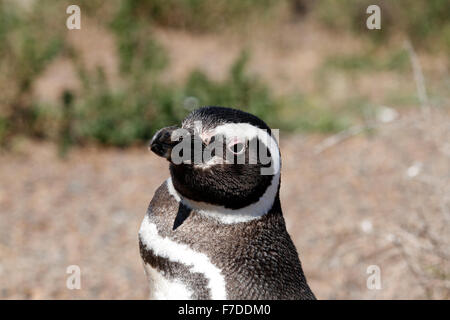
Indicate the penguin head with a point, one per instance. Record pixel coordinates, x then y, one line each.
221 156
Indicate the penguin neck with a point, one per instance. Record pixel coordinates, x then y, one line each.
224 215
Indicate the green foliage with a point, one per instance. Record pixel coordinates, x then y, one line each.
239 90
369 61
309 113
139 53
122 117
128 115
424 21
3 128
138 103
201 15
113 118
27 45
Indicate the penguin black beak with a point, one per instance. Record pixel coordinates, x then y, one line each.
162 143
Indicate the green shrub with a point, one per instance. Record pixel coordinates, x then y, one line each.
397 60
122 116
239 90
139 53
201 15
28 43
424 21
139 103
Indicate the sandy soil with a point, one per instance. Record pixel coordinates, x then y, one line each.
380 199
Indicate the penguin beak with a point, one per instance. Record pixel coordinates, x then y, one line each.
162 143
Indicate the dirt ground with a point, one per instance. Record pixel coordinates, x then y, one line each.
371 199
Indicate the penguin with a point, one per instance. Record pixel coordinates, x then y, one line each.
215 228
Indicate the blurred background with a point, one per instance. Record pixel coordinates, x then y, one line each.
363 114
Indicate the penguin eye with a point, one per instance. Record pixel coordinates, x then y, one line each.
236 147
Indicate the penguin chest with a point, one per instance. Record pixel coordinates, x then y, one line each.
175 270
163 287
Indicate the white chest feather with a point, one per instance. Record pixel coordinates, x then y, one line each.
163 288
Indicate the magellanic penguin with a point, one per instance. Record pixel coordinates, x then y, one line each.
214 229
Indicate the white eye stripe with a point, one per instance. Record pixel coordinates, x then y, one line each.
245 132
248 132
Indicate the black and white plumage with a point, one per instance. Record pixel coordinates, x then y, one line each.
214 229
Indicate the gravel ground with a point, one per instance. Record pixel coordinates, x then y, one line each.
379 199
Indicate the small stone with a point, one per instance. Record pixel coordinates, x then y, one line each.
386 115
366 226
414 170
